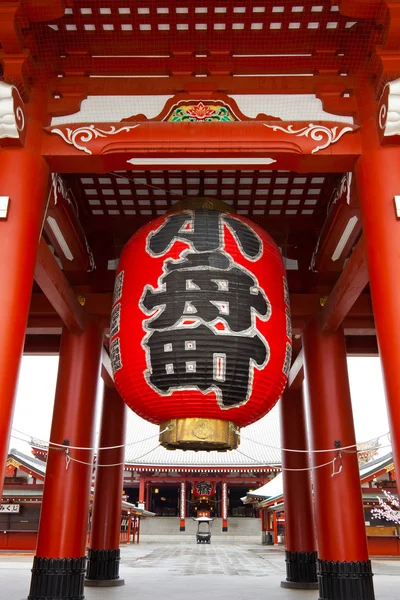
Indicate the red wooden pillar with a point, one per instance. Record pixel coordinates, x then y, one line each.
182 506
224 505
104 554
344 569
275 526
59 565
24 178
300 543
378 185
137 528
142 491
130 528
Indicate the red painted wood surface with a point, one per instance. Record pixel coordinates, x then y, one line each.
383 546
237 140
24 179
18 540
57 290
348 288
106 516
299 517
64 515
338 503
378 183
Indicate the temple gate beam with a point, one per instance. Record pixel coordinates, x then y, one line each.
56 288
347 290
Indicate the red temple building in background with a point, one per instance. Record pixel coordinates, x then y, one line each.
285 113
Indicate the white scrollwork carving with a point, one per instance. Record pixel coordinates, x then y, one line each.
59 187
343 189
383 116
82 135
12 118
389 111
316 132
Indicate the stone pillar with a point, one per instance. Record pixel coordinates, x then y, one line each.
300 543
343 567
59 564
104 553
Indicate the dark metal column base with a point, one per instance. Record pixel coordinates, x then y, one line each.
301 568
345 580
300 585
57 578
104 582
103 565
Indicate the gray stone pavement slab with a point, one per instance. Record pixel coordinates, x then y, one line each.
187 571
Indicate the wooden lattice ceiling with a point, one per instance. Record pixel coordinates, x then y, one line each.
256 194
290 206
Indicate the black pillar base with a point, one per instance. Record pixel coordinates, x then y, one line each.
345 580
301 570
57 578
299 585
103 565
104 582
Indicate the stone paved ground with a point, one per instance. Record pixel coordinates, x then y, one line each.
187 571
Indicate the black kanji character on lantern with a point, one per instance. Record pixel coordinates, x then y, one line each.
204 231
201 358
204 488
206 286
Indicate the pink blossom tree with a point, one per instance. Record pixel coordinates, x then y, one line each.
389 508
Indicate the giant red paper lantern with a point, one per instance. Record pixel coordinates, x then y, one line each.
200 337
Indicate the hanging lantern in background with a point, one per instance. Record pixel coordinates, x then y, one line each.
203 488
200 336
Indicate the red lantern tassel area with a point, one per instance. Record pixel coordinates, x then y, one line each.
200 326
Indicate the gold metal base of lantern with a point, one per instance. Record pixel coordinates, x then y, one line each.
199 434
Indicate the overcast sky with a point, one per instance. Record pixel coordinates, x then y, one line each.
38 374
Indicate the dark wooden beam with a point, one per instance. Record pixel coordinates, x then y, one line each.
362 345
57 290
348 288
42 344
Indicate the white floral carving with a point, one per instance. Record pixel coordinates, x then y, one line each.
82 135
315 132
12 118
